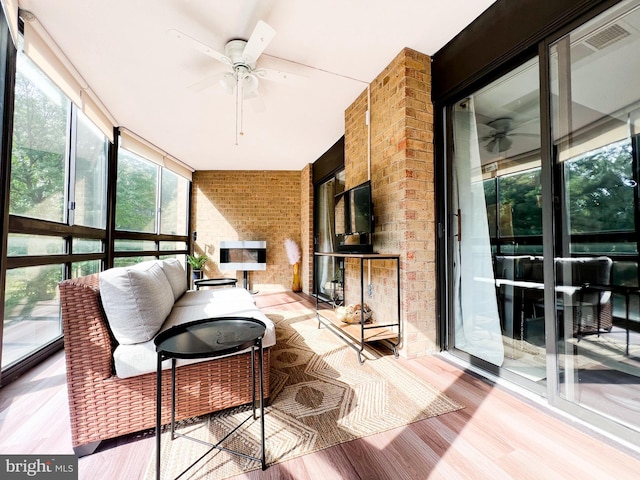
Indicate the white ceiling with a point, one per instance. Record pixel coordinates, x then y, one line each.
143 75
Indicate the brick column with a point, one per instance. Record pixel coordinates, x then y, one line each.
401 116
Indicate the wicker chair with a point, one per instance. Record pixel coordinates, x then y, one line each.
103 406
591 310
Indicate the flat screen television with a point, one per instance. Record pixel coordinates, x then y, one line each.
354 220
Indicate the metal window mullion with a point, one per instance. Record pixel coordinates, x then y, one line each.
158 204
70 165
635 165
549 203
70 177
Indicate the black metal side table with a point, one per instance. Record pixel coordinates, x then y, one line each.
210 338
215 282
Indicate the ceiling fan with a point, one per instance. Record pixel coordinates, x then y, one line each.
241 57
499 139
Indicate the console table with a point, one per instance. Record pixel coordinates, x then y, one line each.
209 338
359 334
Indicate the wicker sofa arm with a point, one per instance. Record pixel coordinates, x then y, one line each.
88 342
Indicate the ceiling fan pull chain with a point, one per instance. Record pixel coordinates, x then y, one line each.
242 108
237 109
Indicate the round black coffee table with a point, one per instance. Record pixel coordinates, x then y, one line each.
210 338
215 282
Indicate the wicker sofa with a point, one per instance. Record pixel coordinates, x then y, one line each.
104 405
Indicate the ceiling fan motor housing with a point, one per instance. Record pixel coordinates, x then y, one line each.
234 49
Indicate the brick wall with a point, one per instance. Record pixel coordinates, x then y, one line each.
401 169
249 205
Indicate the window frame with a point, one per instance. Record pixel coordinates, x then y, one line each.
67 230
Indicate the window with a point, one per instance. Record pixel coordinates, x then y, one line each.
38 163
90 179
152 206
136 193
58 175
137 198
599 189
520 196
58 210
174 204
31 311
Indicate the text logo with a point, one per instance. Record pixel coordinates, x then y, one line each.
49 467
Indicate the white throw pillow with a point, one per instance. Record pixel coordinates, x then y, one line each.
176 275
136 300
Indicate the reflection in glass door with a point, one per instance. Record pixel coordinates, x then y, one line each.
596 122
498 290
328 279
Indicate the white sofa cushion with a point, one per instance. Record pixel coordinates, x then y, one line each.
136 301
176 275
228 295
141 358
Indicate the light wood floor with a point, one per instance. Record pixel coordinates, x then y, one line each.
498 435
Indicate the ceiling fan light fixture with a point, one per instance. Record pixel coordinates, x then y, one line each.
228 83
250 85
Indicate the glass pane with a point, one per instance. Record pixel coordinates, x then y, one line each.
491 199
80 269
91 175
174 204
136 193
128 261
173 246
520 203
20 245
32 311
625 273
328 272
134 245
599 189
499 292
181 258
596 122
604 247
84 245
38 165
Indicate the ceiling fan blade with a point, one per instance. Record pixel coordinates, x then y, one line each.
504 144
199 46
256 101
207 82
491 146
279 75
258 42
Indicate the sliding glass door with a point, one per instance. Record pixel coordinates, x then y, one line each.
498 298
595 103
544 217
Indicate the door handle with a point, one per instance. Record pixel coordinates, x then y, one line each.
459 234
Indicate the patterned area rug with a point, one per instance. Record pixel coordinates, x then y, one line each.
321 396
